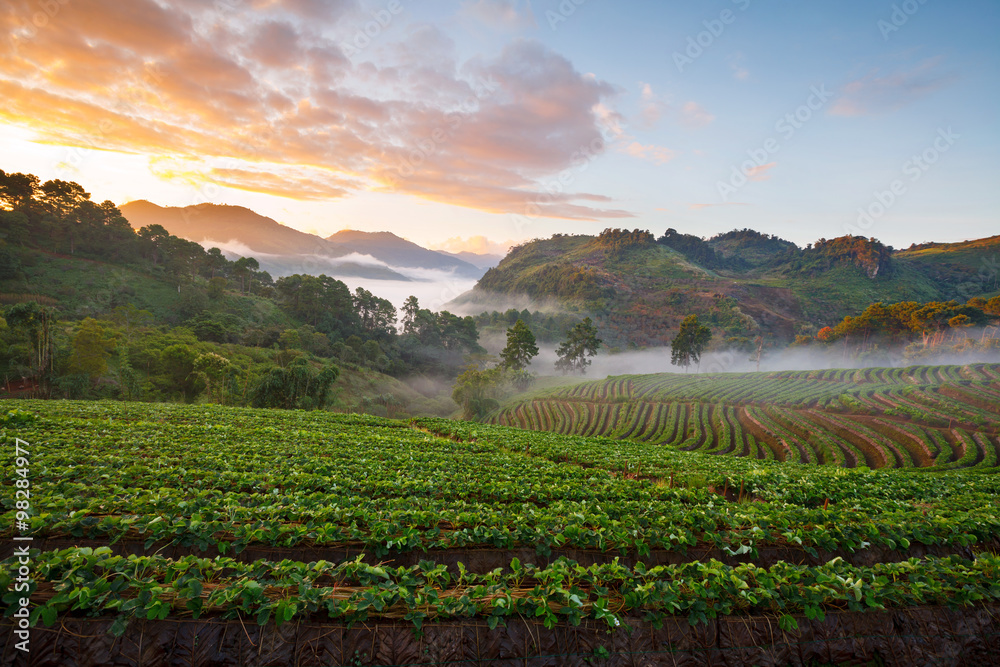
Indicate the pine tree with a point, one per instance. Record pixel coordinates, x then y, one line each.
521 348
581 343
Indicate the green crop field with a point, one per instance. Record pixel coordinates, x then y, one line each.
147 520
926 417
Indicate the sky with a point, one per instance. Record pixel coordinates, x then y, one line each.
472 124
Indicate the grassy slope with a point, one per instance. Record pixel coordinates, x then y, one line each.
83 286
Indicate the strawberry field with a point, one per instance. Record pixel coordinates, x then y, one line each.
931 418
290 537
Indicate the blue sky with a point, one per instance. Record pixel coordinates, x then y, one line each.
628 114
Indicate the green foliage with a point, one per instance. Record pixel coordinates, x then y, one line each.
476 391
92 346
298 386
689 343
617 241
695 249
581 342
520 349
199 478
213 369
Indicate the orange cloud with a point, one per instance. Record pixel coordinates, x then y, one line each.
266 101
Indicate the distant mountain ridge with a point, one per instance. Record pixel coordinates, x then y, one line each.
216 222
396 251
483 262
282 250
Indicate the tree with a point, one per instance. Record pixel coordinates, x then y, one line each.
92 347
15 226
476 390
17 191
581 343
410 309
378 316
37 324
299 386
689 343
244 269
213 368
177 363
521 348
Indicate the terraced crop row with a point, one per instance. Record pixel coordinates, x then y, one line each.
921 417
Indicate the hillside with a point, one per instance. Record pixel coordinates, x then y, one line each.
93 308
144 309
742 284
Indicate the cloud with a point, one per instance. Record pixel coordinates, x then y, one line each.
878 94
693 114
512 15
479 245
656 154
266 101
651 108
760 173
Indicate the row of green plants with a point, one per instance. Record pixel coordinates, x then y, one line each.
95 582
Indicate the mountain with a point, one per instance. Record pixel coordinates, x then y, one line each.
213 222
399 252
484 262
743 284
279 249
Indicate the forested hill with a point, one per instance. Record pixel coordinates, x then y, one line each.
92 308
743 283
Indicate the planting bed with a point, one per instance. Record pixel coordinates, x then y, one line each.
279 537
